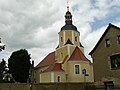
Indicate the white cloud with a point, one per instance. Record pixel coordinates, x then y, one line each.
34 24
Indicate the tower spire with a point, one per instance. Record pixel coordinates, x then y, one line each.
68 20
68 16
67 5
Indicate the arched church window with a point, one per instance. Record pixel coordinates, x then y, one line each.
61 39
76 39
58 79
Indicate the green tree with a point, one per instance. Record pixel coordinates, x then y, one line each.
2 70
2 46
19 65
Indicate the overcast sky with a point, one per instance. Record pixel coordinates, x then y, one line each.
34 24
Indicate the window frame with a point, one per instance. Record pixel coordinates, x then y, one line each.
109 85
58 78
76 38
115 59
78 70
118 39
107 42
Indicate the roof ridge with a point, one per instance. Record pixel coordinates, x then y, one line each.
77 55
106 30
54 67
42 63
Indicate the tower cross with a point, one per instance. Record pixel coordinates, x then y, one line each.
67 5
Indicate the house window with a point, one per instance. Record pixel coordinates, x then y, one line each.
77 69
118 39
61 39
115 61
107 42
76 39
109 85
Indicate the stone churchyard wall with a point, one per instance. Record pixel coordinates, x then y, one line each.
54 86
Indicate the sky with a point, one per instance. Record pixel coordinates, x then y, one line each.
34 24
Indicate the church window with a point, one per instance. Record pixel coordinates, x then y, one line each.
118 39
58 78
61 39
76 39
107 42
77 69
115 61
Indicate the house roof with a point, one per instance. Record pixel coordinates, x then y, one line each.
110 25
77 55
54 67
48 60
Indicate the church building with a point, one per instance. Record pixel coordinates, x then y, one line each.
68 62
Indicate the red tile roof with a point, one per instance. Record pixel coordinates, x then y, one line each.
48 60
77 55
55 67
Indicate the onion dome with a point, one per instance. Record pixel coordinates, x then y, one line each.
68 22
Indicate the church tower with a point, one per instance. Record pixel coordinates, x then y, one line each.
68 39
69 32
67 62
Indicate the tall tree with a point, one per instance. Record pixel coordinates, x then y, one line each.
2 46
2 70
19 65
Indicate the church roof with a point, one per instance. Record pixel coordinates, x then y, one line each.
110 25
48 60
77 55
69 27
55 67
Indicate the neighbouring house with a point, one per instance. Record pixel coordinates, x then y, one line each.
106 56
68 62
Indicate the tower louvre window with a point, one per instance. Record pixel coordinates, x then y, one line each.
61 39
107 42
76 39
